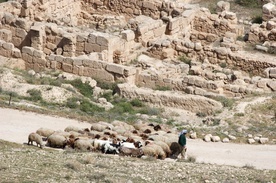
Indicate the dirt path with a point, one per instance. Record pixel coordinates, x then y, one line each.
16 125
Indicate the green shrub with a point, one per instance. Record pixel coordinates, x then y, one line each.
1 90
84 88
123 107
107 96
136 103
184 59
72 102
35 95
257 20
87 107
106 85
150 111
226 102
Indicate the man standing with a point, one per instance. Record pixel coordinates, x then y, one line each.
182 142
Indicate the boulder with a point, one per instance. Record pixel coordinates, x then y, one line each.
215 139
225 140
207 138
251 141
263 140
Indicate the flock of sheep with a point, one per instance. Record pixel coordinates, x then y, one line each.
114 138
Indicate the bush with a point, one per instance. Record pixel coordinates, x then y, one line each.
35 95
106 85
136 103
184 59
257 20
226 102
123 107
84 88
107 96
90 108
72 102
150 111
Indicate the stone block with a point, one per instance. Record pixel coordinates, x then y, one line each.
17 41
40 61
159 31
115 68
80 46
38 54
88 48
128 35
77 61
28 50
16 53
173 24
84 38
8 46
5 53
102 40
26 57
59 58
67 67
20 33
5 35
91 38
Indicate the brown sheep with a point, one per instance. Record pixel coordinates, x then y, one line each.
176 149
37 138
57 141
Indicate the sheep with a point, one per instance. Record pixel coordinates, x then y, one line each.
37 138
123 125
98 144
154 150
176 149
99 127
110 126
110 148
125 151
149 151
62 133
57 141
131 145
72 128
45 132
164 146
83 144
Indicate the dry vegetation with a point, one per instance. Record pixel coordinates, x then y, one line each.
21 163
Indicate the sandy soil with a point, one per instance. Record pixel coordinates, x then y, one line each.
16 125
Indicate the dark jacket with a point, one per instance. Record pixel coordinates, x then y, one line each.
182 140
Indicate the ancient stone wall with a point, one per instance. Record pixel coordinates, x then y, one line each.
83 66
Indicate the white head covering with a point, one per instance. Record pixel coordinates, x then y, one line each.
182 132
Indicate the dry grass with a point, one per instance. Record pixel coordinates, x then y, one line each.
22 163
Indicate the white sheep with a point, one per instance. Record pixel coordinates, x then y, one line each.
45 132
37 138
72 128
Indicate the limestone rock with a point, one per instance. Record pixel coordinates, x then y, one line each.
215 139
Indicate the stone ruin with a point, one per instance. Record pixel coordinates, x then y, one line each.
140 42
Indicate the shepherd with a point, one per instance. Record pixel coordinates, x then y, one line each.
182 142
